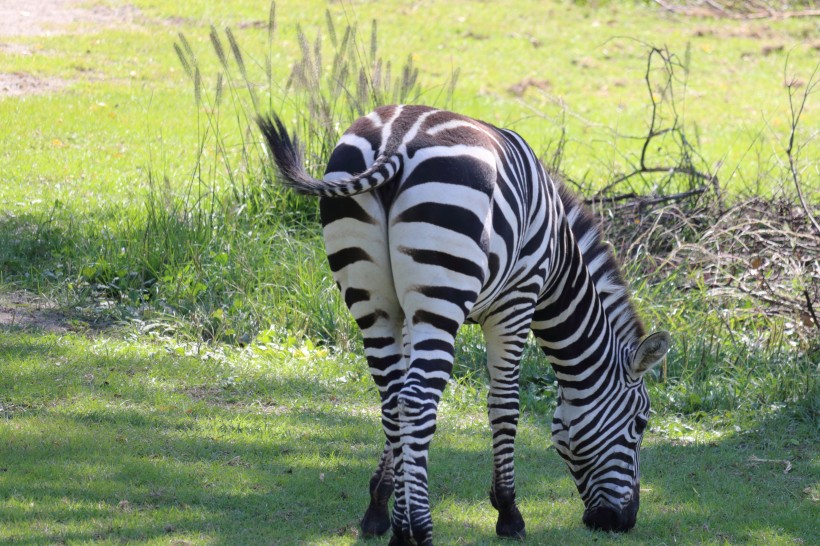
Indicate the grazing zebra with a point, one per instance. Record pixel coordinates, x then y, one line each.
432 219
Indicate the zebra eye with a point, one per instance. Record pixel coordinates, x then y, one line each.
640 424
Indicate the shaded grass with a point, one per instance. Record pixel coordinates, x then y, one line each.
107 441
169 271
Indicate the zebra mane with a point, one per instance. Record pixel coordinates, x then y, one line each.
603 268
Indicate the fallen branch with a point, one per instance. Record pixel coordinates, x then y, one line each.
641 200
761 249
811 309
654 170
755 460
715 9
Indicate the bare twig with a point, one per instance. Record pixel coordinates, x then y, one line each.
717 7
756 460
811 308
796 110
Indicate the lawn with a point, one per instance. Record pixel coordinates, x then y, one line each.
177 368
111 440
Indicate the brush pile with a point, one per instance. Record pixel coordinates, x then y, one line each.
761 249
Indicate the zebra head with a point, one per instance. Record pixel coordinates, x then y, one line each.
600 439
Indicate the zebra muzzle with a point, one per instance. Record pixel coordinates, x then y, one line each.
605 517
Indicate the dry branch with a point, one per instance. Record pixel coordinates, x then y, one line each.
762 249
678 162
786 463
735 10
796 110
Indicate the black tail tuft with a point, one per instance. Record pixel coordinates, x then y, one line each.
287 155
288 158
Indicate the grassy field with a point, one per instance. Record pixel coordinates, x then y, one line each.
109 440
177 367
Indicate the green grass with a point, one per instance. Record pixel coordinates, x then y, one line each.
734 88
204 384
110 441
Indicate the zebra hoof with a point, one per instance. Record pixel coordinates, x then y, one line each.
511 524
398 540
376 521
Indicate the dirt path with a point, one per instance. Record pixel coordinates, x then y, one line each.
48 18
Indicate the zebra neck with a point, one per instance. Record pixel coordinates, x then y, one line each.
572 328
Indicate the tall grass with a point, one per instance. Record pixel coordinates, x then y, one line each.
222 253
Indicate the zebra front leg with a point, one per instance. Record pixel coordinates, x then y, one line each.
503 356
376 520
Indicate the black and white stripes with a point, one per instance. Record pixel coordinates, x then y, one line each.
431 220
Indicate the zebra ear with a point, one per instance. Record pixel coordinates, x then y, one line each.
651 350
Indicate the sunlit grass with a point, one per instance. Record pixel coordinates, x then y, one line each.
734 96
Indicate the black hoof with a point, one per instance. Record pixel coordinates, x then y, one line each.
511 533
511 524
398 540
376 521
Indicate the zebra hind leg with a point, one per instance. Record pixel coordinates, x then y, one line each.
503 354
376 520
417 403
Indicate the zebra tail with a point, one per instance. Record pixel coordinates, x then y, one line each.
288 157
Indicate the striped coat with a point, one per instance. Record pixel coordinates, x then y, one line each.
432 220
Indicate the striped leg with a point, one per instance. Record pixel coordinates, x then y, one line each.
376 520
416 409
436 289
358 255
505 345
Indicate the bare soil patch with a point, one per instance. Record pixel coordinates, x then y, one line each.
22 309
49 18
17 84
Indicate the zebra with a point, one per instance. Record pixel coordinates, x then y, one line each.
432 220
